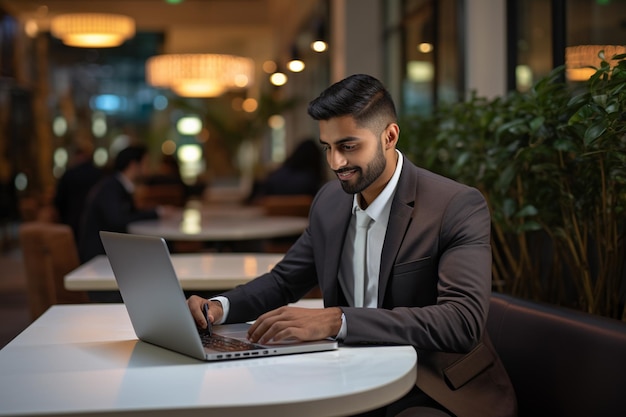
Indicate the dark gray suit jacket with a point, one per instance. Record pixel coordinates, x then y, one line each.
434 286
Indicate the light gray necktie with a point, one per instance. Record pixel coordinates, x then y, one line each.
359 260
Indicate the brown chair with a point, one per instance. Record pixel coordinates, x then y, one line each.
286 205
283 205
148 196
562 362
49 252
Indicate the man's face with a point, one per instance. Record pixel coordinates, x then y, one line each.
355 154
137 169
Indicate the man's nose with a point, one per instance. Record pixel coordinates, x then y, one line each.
336 160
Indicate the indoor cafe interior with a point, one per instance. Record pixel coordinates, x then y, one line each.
216 92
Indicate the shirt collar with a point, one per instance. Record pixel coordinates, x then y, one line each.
128 184
376 207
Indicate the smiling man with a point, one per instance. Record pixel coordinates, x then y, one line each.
416 272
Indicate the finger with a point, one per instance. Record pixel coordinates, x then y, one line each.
195 304
286 323
286 333
262 325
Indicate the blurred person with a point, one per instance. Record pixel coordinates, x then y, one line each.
110 205
426 277
73 188
167 173
301 173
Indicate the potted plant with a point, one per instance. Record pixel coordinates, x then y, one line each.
551 163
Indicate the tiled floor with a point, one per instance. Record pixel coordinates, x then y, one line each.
14 315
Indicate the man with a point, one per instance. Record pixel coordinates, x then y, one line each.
428 271
110 205
74 186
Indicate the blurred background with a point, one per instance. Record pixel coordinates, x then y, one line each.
213 82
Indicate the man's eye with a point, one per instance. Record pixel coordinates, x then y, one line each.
349 147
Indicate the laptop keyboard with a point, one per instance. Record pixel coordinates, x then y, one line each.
227 344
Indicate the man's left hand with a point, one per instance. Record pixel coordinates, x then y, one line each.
295 323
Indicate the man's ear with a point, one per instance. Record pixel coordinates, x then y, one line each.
391 135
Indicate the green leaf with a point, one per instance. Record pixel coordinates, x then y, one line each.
593 132
526 211
506 177
529 226
564 144
536 123
508 207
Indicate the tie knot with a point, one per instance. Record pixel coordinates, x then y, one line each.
362 218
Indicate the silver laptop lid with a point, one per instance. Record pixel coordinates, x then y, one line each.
151 292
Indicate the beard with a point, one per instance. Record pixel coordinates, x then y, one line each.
366 177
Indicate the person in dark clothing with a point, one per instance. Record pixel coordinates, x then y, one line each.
301 173
73 188
110 205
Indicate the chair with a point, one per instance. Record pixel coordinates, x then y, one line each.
286 205
148 196
283 205
562 362
49 252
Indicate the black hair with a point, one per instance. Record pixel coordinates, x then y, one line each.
360 96
129 155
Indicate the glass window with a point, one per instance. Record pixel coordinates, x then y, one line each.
546 34
533 41
592 26
425 35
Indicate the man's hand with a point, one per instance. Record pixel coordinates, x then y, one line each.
295 323
195 305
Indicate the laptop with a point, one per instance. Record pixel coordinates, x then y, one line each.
158 309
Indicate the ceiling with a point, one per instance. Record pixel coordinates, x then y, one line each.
259 29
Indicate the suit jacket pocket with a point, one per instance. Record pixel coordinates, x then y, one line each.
412 266
468 367
413 284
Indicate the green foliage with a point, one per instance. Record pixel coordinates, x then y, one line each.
552 165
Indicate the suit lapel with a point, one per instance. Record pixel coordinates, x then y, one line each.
337 219
400 218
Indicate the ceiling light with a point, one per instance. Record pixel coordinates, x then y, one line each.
269 67
319 46
92 30
278 79
319 43
249 105
295 64
425 47
199 75
189 125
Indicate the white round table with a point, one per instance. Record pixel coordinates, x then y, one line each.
86 360
221 228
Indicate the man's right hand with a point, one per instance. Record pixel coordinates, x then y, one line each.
196 303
